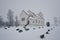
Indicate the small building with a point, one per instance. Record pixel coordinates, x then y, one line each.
33 19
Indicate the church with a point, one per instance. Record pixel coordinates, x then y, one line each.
34 19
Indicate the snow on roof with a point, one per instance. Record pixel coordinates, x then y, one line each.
31 13
40 14
23 12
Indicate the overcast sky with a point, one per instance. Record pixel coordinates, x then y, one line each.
48 7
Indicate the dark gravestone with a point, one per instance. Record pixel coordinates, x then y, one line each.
8 26
33 28
42 36
47 32
17 29
39 27
20 30
5 28
48 24
26 29
48 29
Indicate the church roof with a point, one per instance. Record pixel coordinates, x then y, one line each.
31 13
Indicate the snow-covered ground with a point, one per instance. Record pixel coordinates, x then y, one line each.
31 34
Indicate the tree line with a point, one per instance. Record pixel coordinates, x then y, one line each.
10 22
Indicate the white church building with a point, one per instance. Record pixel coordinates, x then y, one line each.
34 19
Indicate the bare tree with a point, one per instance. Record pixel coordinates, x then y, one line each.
10 17
55 21
26 24
16 22
1 21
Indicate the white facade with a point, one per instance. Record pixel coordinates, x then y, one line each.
37 20
23 18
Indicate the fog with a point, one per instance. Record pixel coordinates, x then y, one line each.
49 8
